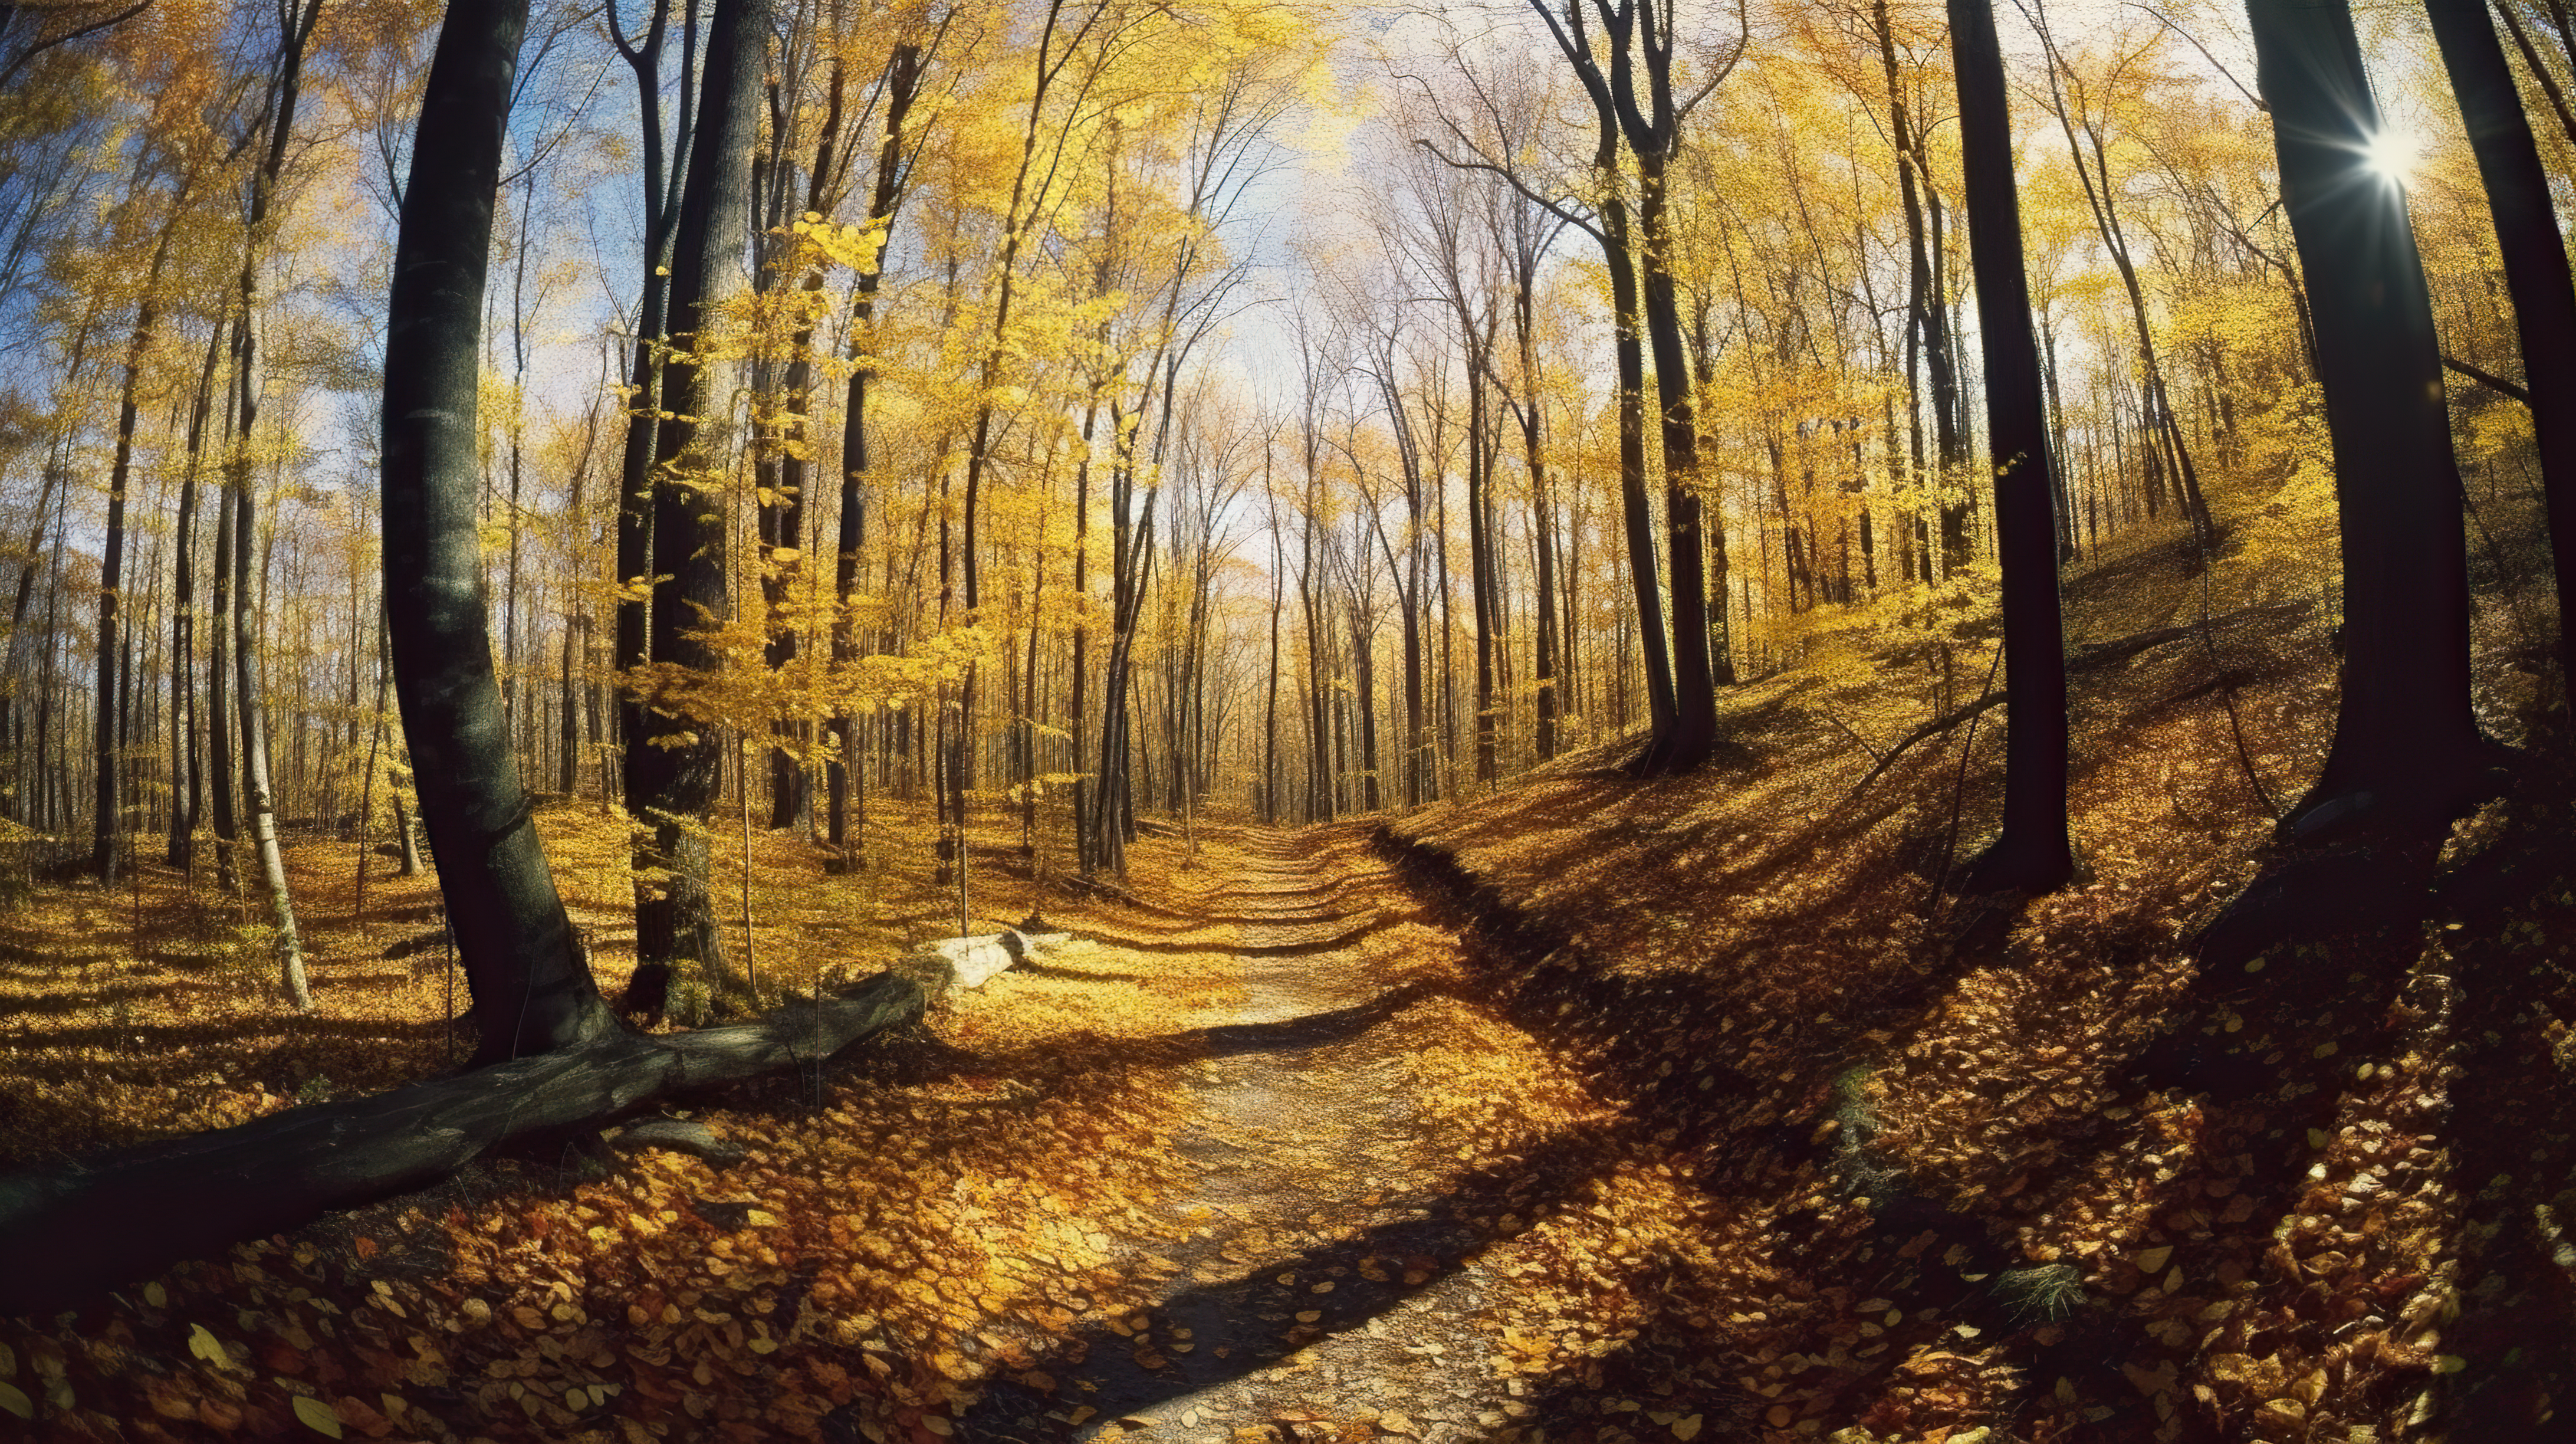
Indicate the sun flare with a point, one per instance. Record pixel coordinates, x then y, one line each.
2392 155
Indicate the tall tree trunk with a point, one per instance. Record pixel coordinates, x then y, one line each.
187 798
1929 318
1085 791
1270 713
1363 666
1112 822
2406 749
680 761
1694 735
107 839
259 794
258 804
663 184
2032 854
2535 269
783 519
219 701
842 776
1636 512
1480 561
1618 254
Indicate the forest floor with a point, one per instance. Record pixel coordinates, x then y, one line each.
1588 1110
1245 1159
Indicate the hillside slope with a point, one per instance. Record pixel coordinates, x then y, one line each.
1968 1164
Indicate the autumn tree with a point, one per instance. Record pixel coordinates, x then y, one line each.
675 766
530 981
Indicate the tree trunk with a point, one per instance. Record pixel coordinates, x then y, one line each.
1636 513
2406 749
2031 855
1270 713
259 794
243 620
107 799
1930 322
187 801
635 489
1480 560
679 761
531 985
2535 268
219 700
842 777
1694 733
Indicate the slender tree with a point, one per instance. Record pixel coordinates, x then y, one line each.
1619 254
664 173
296 20
2032 854
843 775
107 832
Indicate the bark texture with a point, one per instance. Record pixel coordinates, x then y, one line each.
532 987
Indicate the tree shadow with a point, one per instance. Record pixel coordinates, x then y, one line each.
1376 923
914 1056
1077 975
1239 1325
1314 1030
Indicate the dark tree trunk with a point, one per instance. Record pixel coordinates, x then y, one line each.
1567 28
1270 712
663 181
842 778
219 700
1112 823
679 761
782 519
1694 734
2031 855
1928 319
187 778
107 833
531 986
1363 666
1480 558
2535 268
2406 750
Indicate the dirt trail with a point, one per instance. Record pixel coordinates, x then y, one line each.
1321 1267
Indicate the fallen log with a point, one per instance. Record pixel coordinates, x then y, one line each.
971 962
68 1232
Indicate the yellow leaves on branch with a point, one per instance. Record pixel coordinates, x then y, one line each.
852 247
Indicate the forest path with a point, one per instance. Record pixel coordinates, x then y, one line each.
1320 1259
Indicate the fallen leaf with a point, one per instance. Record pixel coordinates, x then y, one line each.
317 1416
